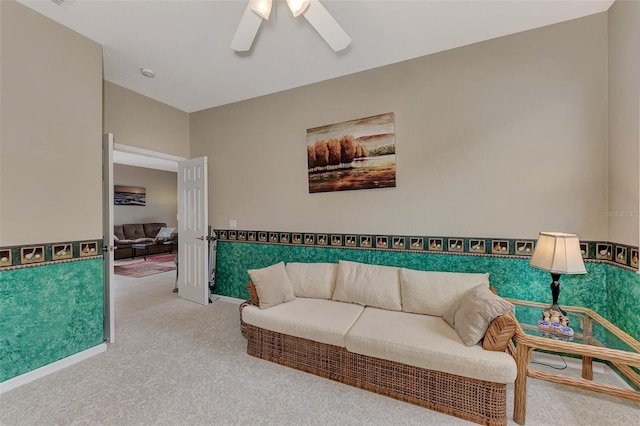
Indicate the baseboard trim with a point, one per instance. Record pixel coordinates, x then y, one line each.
25 378
228 299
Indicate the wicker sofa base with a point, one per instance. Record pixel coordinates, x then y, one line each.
470 399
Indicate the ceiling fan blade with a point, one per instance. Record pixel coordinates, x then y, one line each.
247 30
326 26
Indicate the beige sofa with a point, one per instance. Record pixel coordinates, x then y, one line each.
421 337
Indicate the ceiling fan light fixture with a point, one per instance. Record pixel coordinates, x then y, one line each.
262 8
319 18
297 7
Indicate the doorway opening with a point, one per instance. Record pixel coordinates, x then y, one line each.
129 156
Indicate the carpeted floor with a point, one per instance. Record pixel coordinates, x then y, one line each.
180 363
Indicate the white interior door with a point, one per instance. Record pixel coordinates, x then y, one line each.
107 223
193 253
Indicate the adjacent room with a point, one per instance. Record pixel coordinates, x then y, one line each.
140 259
370 212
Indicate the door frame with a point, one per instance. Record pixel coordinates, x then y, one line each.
107 241
107 164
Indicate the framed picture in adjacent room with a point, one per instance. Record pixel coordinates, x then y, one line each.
129 195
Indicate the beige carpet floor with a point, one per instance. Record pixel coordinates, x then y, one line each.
179 363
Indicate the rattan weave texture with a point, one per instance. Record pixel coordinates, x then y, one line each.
470 399
499 333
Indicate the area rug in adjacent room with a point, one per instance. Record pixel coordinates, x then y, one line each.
144 268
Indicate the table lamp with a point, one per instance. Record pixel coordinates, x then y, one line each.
558 253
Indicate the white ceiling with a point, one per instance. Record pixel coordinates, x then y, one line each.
187 42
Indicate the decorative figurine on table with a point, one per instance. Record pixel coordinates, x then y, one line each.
555 324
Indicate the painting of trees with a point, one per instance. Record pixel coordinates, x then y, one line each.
356 154
322 154
334 152
348 149
311 156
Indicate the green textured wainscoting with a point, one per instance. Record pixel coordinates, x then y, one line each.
512 277
623 300
48 313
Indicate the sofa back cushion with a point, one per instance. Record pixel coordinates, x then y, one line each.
133 231
315 280
368 285
151 229
432 293
118 232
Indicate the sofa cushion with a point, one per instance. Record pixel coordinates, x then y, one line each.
272 285
133 231
432 293
118 232
320 320
368 285
426 341
471 315
316 280
143 240
152 229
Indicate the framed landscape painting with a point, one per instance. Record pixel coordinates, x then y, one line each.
356 154
129 195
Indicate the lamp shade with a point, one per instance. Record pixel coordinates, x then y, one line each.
558 253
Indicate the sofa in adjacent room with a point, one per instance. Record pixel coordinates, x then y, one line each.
436 339
156 235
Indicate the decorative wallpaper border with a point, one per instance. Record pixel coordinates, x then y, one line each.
621 255
48 253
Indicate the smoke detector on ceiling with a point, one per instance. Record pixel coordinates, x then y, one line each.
149 73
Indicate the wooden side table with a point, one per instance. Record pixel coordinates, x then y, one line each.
595 337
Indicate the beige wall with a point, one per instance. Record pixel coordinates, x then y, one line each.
503 138
162 195
139 121
51 127
624 121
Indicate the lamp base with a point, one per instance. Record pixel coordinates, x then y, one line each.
556 307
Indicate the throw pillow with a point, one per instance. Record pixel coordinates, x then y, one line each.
272 285
164 233
471 314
